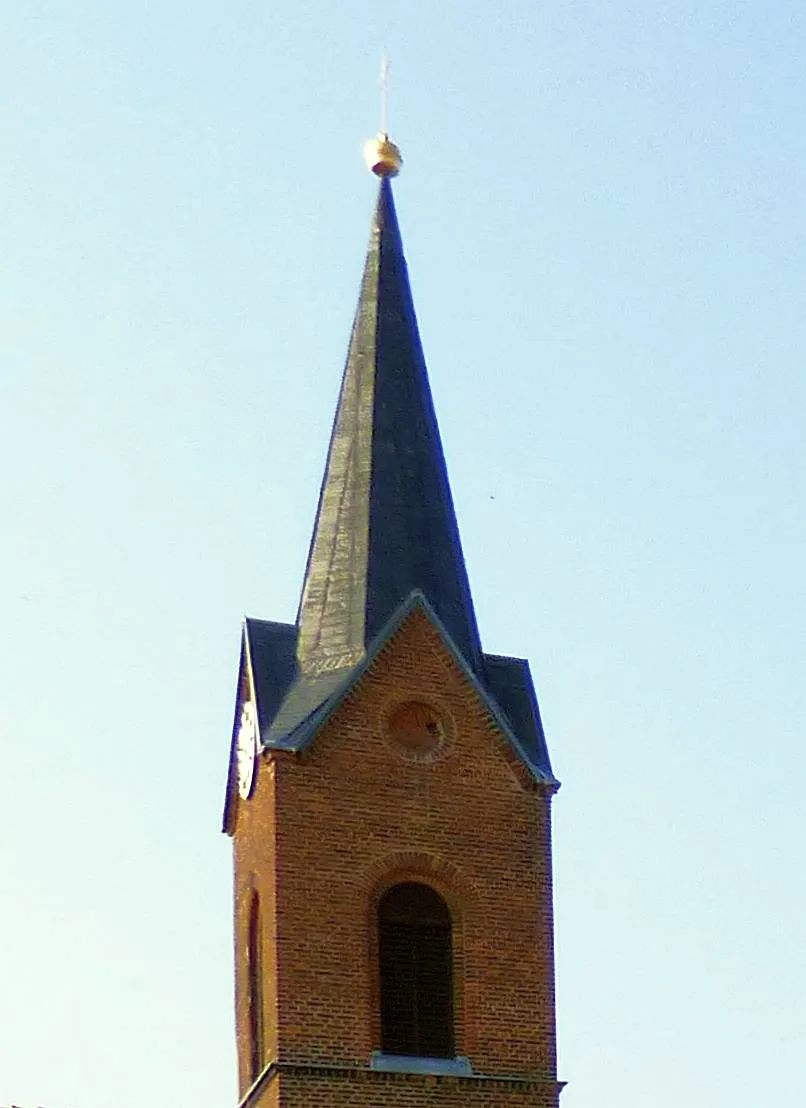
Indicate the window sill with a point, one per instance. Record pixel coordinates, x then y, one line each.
409 1063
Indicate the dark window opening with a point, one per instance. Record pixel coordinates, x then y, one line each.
255 994
416 972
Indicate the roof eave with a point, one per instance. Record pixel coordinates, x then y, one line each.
303 735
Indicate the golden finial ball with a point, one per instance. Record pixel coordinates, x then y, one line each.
382 156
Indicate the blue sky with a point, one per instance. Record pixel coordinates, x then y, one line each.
603 211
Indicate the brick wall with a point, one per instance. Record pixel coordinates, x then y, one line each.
326 832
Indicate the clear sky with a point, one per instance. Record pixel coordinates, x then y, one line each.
603 211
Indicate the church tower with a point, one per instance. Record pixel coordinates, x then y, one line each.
389 786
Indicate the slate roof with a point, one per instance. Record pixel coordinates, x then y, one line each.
385 538
292 704
385 524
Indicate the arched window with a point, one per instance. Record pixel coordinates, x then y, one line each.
255 994
416 972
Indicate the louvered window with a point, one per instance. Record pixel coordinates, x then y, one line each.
416 972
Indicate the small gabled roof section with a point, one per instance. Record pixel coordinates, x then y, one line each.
385 524
266 670
311 698
509 680
271 651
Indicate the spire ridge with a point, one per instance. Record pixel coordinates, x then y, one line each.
385 525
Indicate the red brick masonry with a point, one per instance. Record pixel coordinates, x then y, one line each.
327 831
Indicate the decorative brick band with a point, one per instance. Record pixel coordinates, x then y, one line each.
363 1074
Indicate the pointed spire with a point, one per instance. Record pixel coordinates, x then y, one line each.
385 524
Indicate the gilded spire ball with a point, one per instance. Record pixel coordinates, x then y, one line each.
380 153
382 156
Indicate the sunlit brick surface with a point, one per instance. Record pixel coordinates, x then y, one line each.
326 832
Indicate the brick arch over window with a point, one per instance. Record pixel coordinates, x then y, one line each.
455 887
415 954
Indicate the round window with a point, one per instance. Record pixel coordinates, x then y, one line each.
417 729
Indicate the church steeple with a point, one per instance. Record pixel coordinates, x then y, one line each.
385 524
385 535
389 786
